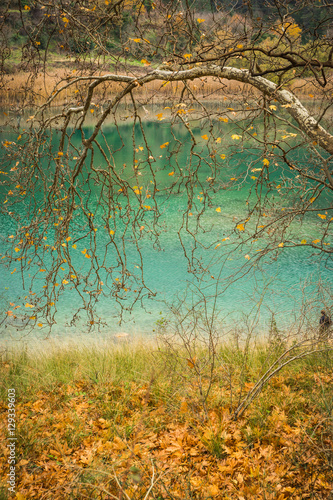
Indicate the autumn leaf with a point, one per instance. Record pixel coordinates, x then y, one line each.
162 146
218 210
240 227
200 20
160 116
273 107
205 137
191 362
303 242
222 119
187 56
311 200
247 257
235 137
315 242
29 305
171 173
281 245
322 216
265 162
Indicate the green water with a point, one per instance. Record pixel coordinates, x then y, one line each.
224 279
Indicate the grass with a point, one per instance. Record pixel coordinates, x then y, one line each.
117 419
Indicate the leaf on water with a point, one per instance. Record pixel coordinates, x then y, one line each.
200 20
281 245
235 137
218 245
205 137
315 242
85 250
162 146
322 216
273 107
303 242
240 227
160 116
171 173
222 119
265 162
218 209
29 305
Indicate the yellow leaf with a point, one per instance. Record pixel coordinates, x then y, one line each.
218 140
218 245
303 242
162 146
247 257
312 200
200 20
29 305
92 111
87 256
183 407
65 282
68 238
171 173
273 107
187 56
281 245
253 177
60 153
223 157
235 137
17 249
136 40
218 209
240 227
111 232
223 119
239 46
265 162
26 7
205 137
315 242
191 362
74 246
322 216
160 116
40 324
144 61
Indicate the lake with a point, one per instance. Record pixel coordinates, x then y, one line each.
214 273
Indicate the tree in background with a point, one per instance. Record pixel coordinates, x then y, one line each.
246 89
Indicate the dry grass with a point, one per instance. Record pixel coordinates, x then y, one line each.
25 88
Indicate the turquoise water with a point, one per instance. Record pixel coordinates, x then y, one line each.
218 278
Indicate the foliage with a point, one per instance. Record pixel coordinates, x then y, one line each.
109 421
